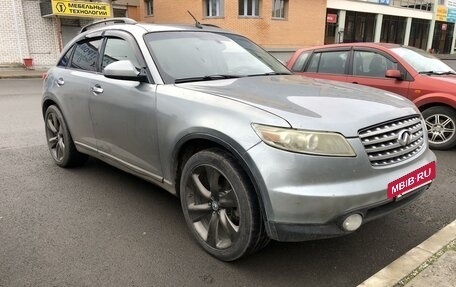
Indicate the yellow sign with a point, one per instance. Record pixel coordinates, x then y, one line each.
441 14
81 9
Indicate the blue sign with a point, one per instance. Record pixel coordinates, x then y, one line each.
384 2
451 16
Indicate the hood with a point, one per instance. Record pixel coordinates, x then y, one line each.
312 104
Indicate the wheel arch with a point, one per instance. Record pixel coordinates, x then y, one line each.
193 143
435 99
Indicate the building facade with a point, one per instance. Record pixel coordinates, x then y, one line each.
37 30
425 24
279 26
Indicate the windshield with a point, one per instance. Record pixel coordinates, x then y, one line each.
191 56
422 61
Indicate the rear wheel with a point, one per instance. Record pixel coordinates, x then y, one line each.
441 126
59 140
220 206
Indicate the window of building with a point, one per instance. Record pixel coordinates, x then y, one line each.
149 6
329 62
116 50
213 8
279 8
85 56
249 8
415 4
370 64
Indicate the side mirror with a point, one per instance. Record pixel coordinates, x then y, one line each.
394 74
123 70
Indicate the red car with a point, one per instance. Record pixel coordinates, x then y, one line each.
407 71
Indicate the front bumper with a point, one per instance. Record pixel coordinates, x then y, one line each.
306 197
302 232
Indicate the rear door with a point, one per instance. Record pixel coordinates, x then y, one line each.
369 67
71 86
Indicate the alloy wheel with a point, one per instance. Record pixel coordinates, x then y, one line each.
213 207
55 136
441 128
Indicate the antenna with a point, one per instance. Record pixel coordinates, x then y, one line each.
197 23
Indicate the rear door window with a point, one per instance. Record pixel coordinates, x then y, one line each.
333 62
85 56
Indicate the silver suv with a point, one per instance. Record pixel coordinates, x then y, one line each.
252 152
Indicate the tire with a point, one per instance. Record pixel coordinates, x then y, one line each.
59 140
441 126
220 206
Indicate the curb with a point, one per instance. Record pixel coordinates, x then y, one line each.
407 263
21 76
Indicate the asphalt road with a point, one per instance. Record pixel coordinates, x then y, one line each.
98 226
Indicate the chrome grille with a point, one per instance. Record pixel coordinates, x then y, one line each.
382 142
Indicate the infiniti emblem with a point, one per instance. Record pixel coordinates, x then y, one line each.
404 137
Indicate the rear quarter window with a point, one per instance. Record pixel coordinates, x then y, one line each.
298 66
66 58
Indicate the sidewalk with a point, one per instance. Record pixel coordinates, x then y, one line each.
17 72
432 263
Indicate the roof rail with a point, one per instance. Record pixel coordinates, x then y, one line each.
110 20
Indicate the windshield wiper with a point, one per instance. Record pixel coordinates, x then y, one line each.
438 73
205 78
269 74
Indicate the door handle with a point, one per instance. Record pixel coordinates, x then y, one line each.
97 89
60 82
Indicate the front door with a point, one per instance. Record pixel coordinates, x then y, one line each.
124 114
369 69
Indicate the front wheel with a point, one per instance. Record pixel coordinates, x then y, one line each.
441 127
220 206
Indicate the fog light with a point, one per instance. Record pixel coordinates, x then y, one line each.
352 222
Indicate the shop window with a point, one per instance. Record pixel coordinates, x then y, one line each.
249 8
393 29
279 9
213 8
419 32
149 6
85 56
359 27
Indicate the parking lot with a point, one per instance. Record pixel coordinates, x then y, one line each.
98 226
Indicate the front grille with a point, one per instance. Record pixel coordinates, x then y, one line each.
382 142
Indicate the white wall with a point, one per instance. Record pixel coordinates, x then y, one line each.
25 34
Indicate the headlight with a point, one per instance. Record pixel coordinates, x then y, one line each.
310 142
